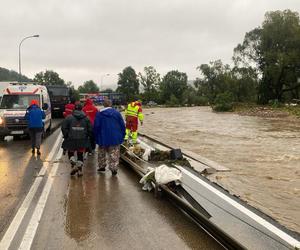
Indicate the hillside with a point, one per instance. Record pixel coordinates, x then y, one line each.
11 75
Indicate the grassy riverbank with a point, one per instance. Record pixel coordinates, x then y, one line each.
252 109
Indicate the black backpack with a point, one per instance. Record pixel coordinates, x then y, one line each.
78 129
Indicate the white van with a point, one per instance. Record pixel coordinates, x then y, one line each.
15 100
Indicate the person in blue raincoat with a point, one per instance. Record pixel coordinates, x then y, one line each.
34 116
109 132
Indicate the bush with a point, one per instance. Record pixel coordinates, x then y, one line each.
201 101
223 102
275 103
173 102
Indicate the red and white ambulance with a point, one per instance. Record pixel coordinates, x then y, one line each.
15 100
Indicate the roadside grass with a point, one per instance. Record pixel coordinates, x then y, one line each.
266 110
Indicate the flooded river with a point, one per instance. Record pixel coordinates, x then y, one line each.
262 153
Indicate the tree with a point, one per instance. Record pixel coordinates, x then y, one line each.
174 83
108 90
150 81
216 79
49 77
11 75
191 97
274 49
74 93
88 87
244 84
128 83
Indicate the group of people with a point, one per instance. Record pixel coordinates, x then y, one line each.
84 127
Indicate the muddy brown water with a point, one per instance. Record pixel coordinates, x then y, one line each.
262 153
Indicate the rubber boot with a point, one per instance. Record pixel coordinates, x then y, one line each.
74 170
73 166
79 166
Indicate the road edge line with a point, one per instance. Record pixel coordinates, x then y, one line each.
34 222
18 218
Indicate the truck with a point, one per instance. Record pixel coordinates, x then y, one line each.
59 97
15 100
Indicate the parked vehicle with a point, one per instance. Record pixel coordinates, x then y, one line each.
59 97
151 104
15 100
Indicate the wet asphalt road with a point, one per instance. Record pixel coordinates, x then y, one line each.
97 211
18 169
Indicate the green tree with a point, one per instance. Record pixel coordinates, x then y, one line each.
74 93
217 78
108 90
128 83
11 75
191 97
49 77
244 84
223 102
88 87
174 83
274 48
150 81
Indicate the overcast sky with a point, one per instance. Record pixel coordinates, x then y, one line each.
85 39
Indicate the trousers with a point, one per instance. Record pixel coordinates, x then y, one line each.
35 137
131 128
109 157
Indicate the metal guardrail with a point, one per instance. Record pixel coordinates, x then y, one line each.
209 227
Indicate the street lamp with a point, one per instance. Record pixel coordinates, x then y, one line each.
101 83
20 52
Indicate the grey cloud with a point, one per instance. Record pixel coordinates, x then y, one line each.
83 39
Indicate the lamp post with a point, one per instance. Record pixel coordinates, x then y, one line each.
102 77
20 53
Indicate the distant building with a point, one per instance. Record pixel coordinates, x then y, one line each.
98 98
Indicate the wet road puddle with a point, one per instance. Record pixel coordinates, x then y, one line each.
112 212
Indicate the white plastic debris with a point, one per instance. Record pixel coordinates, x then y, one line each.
147 179
164 174
160 175
146 154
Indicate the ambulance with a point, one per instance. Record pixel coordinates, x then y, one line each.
15 100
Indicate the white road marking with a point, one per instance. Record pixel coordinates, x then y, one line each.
16 222
283 235
39 209
53 151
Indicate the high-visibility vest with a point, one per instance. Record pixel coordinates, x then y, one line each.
134 110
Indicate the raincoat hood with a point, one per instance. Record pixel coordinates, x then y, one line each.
109 127
109 111
32 106
34 102
88 102
78 114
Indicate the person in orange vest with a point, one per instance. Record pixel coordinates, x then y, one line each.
133 114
